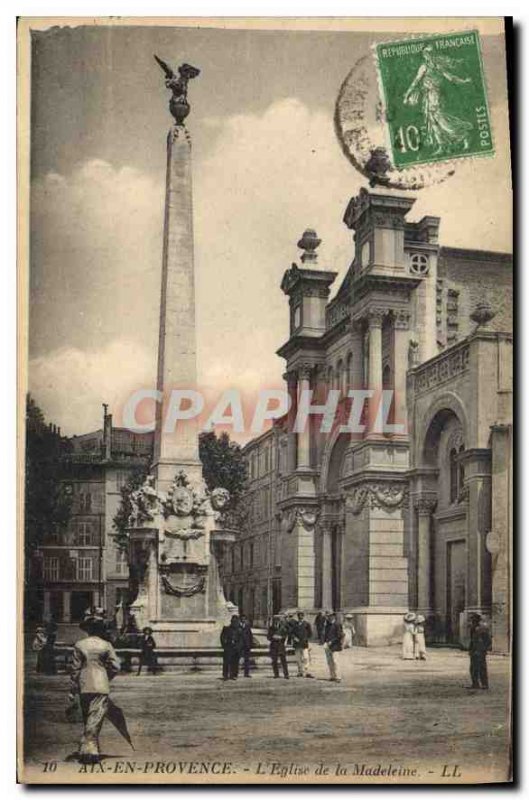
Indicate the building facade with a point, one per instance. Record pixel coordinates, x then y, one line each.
83 566
419 516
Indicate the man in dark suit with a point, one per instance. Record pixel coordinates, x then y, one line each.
333 645
246 630
277 634
480 644
301 635
231 641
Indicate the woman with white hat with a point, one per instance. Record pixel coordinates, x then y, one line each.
418 638
348 631
407 638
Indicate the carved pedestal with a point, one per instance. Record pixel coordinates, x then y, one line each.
174 569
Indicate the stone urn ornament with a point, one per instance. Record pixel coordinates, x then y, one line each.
482 314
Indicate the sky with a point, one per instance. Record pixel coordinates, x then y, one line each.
266 165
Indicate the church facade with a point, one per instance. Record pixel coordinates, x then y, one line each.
415 517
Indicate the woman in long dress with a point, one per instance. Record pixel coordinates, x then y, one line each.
348 631
443 130
407 637
419 640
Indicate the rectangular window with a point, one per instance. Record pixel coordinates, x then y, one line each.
84 534
84 569
51 568
85 501
122 567
121 479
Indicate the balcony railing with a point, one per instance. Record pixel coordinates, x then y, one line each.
442 368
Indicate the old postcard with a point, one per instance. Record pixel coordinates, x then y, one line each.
265 304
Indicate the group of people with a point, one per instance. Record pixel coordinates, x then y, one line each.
287 630
413 639
414 645
95 661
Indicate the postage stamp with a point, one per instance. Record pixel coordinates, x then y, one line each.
435 98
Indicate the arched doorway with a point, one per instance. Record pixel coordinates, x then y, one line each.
442 529
332 528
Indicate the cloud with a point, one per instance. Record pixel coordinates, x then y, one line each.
96 254
70 384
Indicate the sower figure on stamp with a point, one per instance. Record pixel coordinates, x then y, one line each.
94 664
480 644
277 634
247 638
231 641
332 646
301 635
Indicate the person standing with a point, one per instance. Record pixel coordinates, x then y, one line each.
407 636
247 640
94 664
277 634
419 642
231 641
39 643
301 635
148 652
348 632
480 644
319 624
291 626
333 645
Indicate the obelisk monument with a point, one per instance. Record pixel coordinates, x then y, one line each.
177 338
176 531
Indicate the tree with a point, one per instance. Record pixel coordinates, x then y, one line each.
223 464
121 518
46 505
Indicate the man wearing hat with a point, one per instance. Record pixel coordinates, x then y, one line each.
301 635
480 644
231 640
94 664
247 641
333 645
408 652
277 634
148 652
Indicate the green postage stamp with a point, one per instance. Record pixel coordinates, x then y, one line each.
435 98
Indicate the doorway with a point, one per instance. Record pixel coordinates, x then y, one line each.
80 603
456 579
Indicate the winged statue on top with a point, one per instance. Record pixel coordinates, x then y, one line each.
178 104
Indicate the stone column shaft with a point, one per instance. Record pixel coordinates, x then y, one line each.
66 613
374 378
303 437
326 569
424 507
477 464
400 360
47 604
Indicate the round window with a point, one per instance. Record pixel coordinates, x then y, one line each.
419 264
